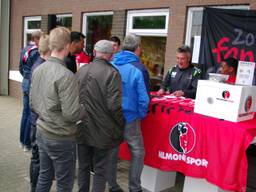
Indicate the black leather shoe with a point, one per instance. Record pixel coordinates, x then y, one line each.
119 190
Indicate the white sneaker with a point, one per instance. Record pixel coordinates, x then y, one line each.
21 146
25 149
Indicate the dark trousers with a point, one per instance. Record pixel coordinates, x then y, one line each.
57 158
35 162
87 154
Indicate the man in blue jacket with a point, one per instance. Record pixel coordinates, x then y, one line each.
135 100
28 57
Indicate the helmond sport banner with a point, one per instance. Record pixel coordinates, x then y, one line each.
227 33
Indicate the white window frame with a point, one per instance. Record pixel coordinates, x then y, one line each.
85 15
147 12
190 17
63 15
26 30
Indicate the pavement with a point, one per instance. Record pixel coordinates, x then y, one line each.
14 162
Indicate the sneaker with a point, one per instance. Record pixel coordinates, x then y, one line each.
21 146
26 149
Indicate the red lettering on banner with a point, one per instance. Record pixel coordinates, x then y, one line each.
231 51
248 54
219 48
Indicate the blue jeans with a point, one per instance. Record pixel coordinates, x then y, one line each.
99 157
57 157
133 136
25 119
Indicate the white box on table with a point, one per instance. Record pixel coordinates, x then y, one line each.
225 101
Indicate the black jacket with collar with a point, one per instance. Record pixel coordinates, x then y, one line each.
100 94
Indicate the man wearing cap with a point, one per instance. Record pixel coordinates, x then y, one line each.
102 130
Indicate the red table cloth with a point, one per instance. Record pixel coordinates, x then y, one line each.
177 139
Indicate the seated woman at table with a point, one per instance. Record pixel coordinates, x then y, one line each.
181 80
229 67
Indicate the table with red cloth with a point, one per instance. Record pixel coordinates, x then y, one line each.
177 139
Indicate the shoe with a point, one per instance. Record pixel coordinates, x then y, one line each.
118 190
21 146
26 149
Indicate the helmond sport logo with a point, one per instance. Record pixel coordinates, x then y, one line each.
225 94
182 138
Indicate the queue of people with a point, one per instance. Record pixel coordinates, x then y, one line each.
88 112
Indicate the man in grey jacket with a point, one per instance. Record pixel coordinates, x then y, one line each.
54 98
102 129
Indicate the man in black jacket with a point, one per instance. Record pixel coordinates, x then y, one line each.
181 80
102 130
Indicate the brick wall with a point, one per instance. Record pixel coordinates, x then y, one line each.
15 89
119 23
44 24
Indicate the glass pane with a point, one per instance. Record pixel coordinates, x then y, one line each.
34 24
153 55
197 18
64 22
29 39
98 27
149 22
196 28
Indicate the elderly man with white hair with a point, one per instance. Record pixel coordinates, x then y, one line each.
102 129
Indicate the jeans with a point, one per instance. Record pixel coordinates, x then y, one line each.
57 158
25 119
133 136
85 156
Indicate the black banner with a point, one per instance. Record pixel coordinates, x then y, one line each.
227 33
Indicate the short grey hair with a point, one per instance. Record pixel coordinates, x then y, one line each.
184 49
36 34
131 42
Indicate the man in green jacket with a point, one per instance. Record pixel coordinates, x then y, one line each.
54 98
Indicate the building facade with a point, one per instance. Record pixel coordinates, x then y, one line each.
162 24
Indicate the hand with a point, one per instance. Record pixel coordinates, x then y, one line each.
82 113
160 92
178 93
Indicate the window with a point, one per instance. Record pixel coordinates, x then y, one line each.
64 20
194 26
96 26
148 22
31 24
152 27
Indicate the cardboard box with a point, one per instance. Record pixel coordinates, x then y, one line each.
224 101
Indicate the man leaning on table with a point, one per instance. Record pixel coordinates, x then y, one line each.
181 80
